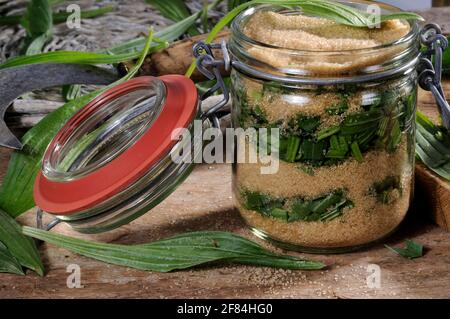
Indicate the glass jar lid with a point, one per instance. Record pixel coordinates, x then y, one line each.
112 142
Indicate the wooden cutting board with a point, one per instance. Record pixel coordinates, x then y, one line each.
431 190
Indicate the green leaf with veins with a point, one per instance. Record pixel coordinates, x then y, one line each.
179 252
412 250
175 10
22 248
59 17
433 146
323 208
38 18
38 22
9 264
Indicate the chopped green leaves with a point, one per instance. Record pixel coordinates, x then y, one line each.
361 122
340 107
324 208
330 131
384 190
179 252
312 151
357 152
412 250
308 125
338 147
293 145
262 203
380 125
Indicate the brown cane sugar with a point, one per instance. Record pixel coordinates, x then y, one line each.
367 221
303 33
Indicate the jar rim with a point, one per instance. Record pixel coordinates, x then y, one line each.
237 30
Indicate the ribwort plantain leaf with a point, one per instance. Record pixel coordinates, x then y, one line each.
19 246
433 146
9 264
179 252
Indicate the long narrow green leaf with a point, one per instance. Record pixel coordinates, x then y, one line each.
175 10
19 246
180 252
59 17
234 3
38 18
74 57
38 22
434 153
69 57
16 192
9 264
124 52
169 34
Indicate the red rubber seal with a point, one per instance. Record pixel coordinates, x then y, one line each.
178 111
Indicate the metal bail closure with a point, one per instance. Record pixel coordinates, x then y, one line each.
210 67
430 75
112 162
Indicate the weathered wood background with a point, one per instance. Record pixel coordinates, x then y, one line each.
204 202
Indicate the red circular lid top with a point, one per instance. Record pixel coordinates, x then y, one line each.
69 197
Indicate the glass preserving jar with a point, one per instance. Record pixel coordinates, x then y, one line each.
343 112
113 161
346 119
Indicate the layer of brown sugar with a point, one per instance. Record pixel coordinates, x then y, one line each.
303 33
368 221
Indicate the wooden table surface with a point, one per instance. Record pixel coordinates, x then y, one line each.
204 202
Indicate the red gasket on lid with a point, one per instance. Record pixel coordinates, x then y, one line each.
179 110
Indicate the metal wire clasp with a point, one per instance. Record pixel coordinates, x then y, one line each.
430 75
210 67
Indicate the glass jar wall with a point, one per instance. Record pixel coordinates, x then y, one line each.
346 125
